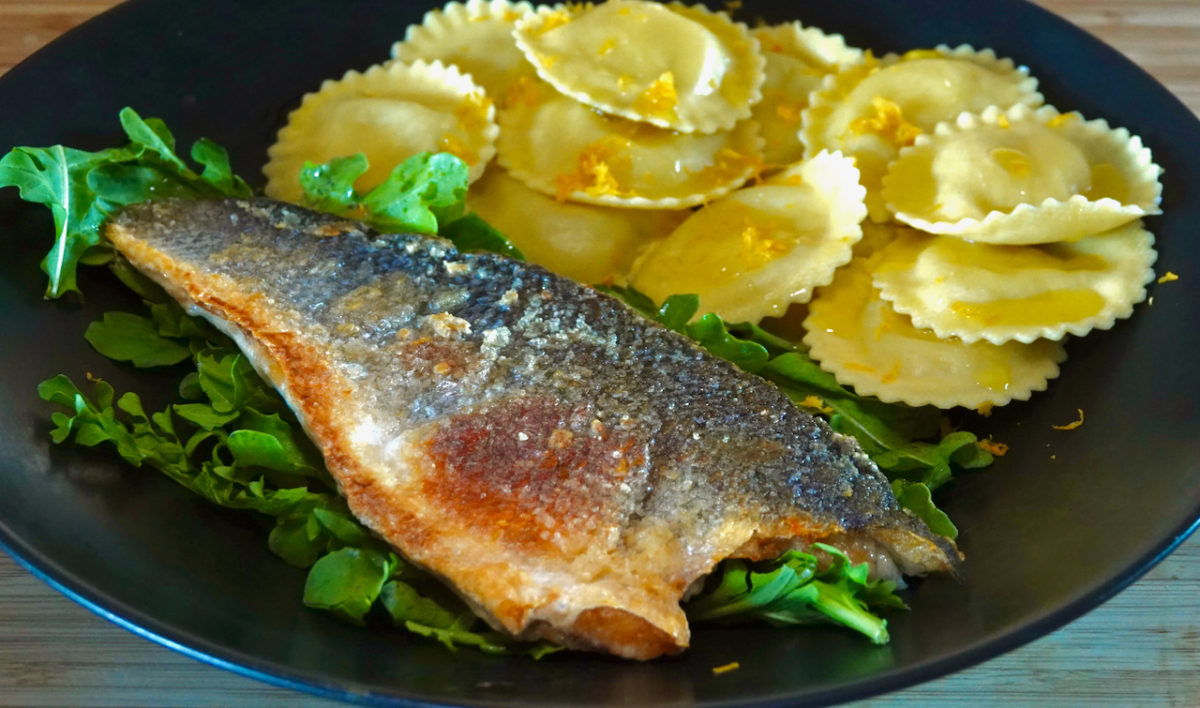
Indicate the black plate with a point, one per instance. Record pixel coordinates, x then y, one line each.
1058 525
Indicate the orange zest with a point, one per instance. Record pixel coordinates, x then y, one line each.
1072 425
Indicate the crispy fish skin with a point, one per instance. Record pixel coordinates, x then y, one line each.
569 468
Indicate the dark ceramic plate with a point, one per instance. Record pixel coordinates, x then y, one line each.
1057 526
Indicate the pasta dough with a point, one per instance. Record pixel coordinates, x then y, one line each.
856 336
979 291
798 59
390 113
1023 176
587 243
476 37
563 148
754 252
872 110
675 66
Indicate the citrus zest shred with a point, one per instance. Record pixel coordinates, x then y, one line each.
593 172
1167 278
758 248
456 147
789 111
730 164
660 98
1013 161
473 115
726 668
815 403
993 447
891 375
522 92
888 123
1060 120
554 20
1072 425
912 54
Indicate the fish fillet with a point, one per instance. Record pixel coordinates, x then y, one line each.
569 468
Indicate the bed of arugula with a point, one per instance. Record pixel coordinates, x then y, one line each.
231 439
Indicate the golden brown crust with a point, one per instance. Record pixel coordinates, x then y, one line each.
603 627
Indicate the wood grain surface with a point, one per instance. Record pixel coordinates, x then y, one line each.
1142 648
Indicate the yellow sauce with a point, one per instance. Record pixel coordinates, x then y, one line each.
1013 161
1052 306
997 377
1107 182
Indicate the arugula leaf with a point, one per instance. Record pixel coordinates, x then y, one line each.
676 311
448 620
329 187
932 463
472 233
917 498
711 333
82 189
792 590
217 169
57 177
347 582
422 192
126 337
425 194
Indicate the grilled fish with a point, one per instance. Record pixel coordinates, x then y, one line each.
569 468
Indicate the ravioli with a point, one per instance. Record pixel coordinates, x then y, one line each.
588 244
390 113
476 37
1023 176
871 110
798 59
563 148
977 291
751 254
680 67
865 344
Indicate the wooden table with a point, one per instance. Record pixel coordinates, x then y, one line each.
1141 648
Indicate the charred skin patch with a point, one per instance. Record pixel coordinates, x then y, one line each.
532 472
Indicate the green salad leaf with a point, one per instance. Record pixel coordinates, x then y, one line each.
425 194
82 188
347 582
917 497
793 589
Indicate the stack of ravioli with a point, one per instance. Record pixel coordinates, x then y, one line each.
936 230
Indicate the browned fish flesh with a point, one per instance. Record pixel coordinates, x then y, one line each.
566 466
